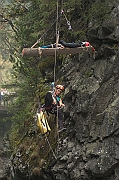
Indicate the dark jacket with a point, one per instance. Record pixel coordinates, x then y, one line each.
52 108
49 106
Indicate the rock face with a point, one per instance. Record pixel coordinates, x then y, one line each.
90 148
90 151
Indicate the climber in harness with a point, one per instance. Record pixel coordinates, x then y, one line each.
74 45
54 104
63 44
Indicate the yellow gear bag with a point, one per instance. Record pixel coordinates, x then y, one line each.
42 123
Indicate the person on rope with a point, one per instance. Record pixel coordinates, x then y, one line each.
63 44
54 104
74 45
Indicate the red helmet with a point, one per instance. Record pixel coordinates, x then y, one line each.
61 87
87 44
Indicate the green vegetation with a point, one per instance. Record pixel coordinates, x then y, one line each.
99 11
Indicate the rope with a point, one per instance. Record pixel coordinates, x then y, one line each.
46 32
57 27
57 131
56 21
57 40
50 146
55 66
68 22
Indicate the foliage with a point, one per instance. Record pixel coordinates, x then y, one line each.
99 11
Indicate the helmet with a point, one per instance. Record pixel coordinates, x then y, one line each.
61 87
87 44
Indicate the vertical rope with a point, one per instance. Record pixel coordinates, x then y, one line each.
57 40
55 66
57 26
57 131
56 44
